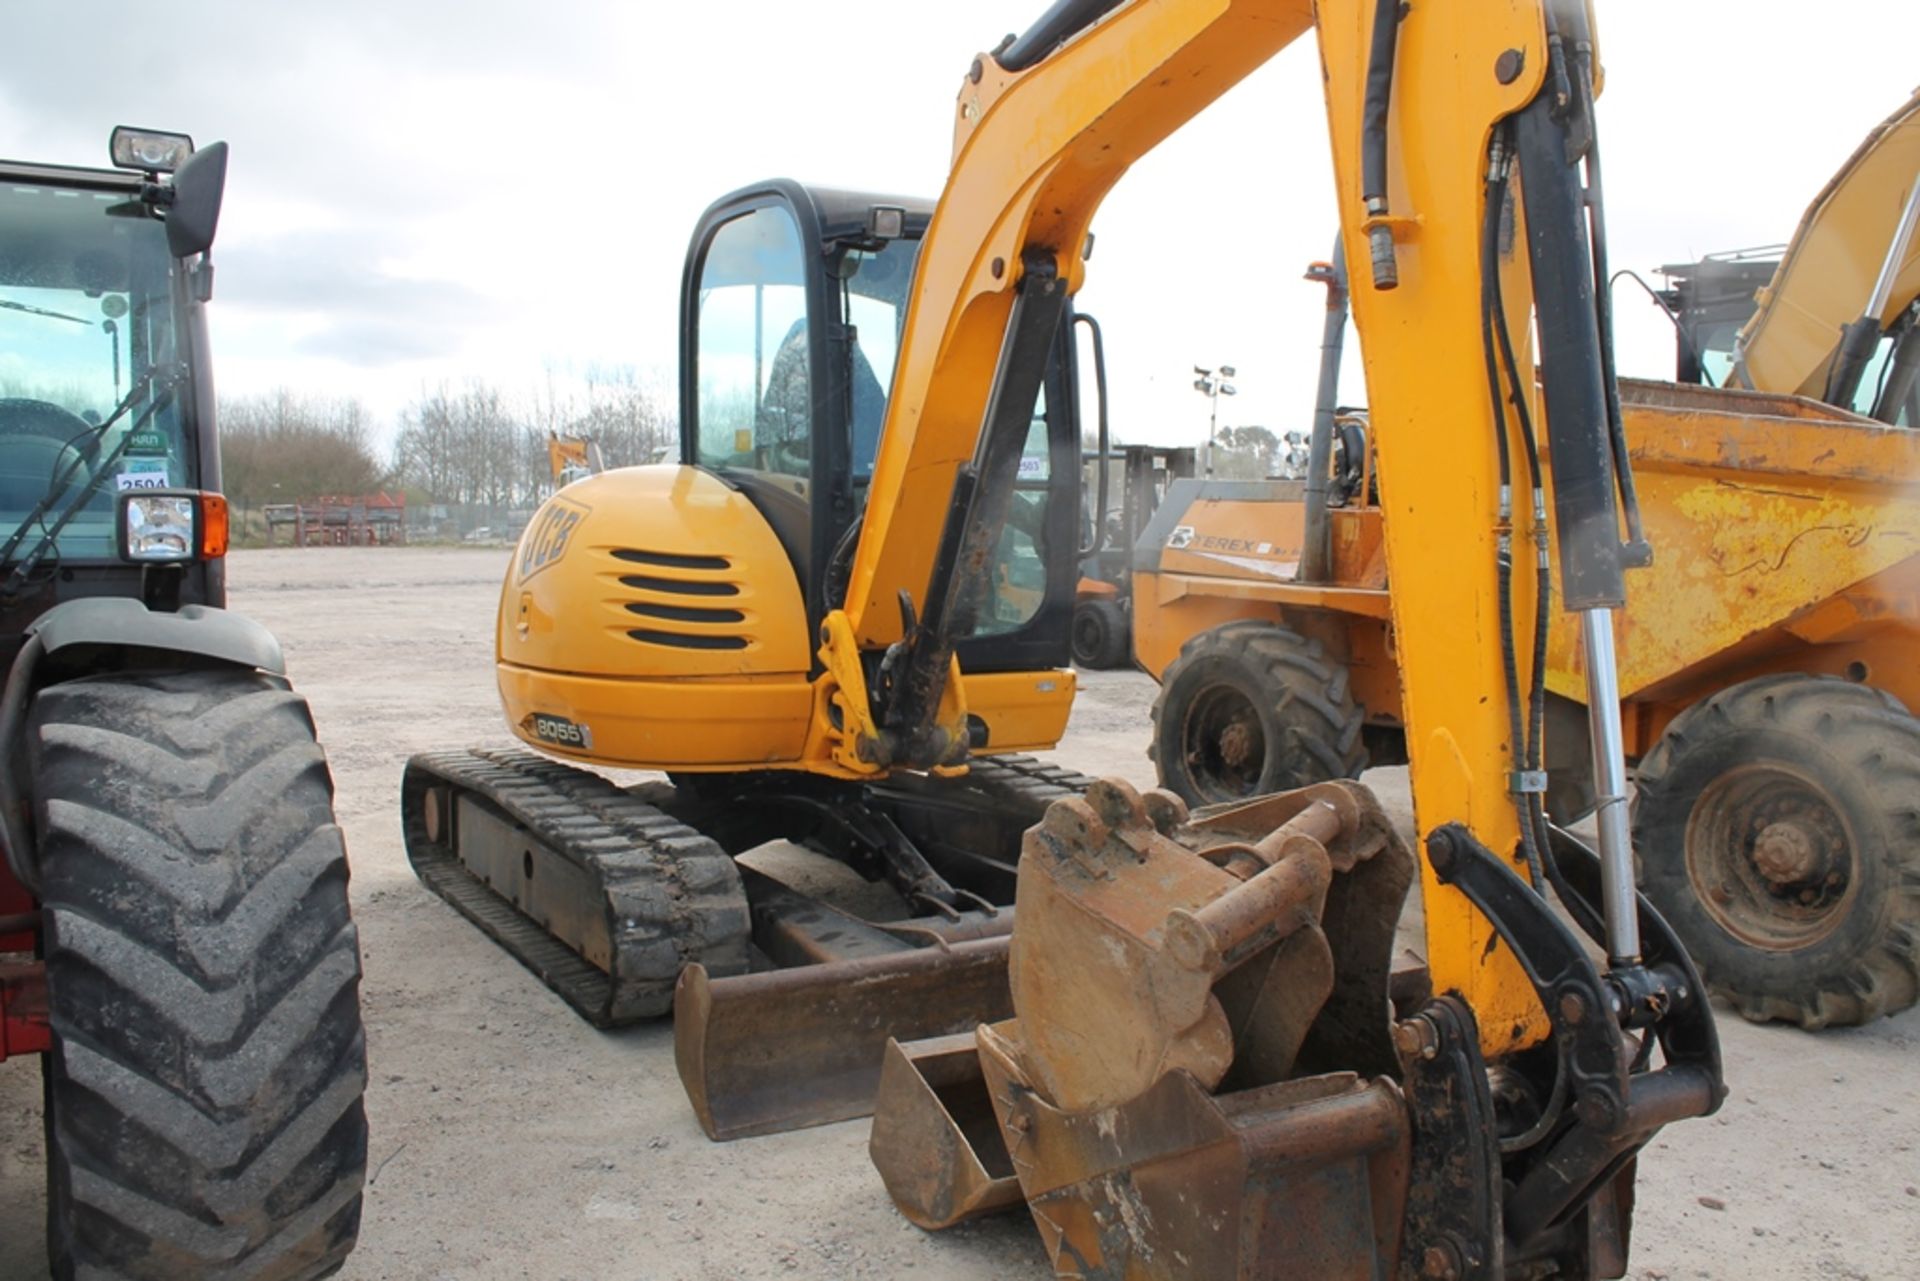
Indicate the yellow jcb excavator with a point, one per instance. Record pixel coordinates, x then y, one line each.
1187 1045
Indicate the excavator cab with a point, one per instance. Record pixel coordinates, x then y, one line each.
1709 301
792 308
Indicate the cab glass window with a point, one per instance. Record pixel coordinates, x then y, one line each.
874 300
1016 583
751 362
87 358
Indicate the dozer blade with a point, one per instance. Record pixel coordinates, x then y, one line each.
784 1049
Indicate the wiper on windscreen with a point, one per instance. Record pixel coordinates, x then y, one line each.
162 393
10 305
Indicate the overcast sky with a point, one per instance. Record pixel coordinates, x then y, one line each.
425 192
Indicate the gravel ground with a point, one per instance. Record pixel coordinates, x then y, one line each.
511 1140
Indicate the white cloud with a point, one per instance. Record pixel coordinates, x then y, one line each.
489 187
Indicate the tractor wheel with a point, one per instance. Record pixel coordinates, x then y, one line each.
1777 827
1100 634
1250 708
204 1087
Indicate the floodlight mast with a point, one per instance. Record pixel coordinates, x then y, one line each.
1213 385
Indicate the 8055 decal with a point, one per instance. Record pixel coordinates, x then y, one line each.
559 731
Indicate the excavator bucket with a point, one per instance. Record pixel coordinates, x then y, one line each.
934 1130
1205 1074
784 1049
1312 1173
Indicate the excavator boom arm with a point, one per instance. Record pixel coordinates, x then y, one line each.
1038 144
1035 151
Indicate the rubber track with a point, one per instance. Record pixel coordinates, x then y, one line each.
204 1089
1024 782
671 895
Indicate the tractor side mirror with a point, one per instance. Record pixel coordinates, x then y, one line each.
195 211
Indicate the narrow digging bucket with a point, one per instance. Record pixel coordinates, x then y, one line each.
935 1139
1303 1178
786 1049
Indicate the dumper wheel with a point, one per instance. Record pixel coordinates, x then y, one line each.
1100 634
203 1092
1777 827
1250 708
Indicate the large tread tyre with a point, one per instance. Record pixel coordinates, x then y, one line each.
1250 708
204 1090
1777 827
1102 637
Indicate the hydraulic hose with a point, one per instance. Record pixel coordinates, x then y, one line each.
1637 551
1493 339
1373 140
1066 19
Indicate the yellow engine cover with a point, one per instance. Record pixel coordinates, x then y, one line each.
650 618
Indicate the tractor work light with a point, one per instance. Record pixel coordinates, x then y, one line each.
149 149
171 526
886 222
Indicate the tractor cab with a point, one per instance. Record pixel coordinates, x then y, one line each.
106 425
136 706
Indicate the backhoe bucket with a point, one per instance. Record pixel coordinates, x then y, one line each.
935 1136
1301 1178
784 1049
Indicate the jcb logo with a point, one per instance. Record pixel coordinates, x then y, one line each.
546 541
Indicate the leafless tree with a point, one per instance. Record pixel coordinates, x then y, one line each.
474 445
285 447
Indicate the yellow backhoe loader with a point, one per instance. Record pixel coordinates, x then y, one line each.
1767 658
1186 1050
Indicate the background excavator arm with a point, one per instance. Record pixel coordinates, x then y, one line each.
1852 268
